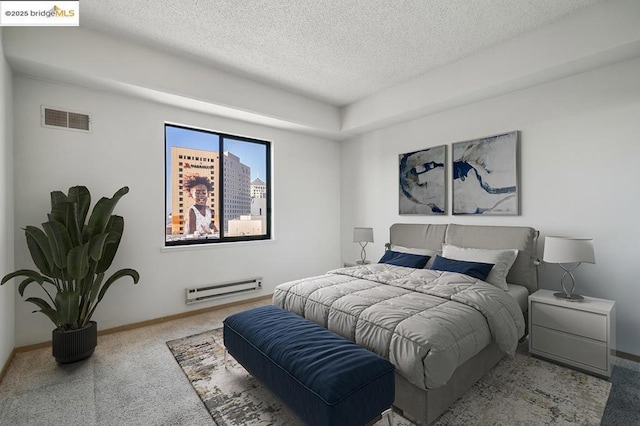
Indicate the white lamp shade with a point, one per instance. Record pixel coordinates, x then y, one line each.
568 250
361 235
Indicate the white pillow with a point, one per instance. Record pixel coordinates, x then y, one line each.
502 261
421 252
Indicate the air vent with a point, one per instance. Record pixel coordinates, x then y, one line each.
60 119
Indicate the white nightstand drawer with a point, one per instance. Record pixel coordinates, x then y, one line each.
581 323
572 348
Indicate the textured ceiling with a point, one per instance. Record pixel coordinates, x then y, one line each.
336 51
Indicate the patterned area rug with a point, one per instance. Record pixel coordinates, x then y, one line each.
519 390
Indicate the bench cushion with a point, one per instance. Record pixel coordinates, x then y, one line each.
323 377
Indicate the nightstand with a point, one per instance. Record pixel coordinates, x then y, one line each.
577 334
355 263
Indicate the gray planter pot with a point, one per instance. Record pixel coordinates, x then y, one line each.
74 345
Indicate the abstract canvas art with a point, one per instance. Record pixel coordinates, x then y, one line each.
423 182
485 176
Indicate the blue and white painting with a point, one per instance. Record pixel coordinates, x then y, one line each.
423 182
485 176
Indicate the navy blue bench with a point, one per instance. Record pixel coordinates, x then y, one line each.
322 377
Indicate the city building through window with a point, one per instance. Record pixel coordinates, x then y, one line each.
217 187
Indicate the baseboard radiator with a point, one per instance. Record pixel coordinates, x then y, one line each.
215 291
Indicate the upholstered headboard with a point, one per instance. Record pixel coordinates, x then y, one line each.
432 236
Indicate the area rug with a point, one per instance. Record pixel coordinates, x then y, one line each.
519 390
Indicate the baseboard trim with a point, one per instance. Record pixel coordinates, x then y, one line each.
6 364
140 324
181 315
628 356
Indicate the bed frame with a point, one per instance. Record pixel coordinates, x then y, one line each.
421 406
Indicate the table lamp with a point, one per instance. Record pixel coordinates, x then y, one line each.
362 236
567 250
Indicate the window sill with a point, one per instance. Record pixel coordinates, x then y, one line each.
215 245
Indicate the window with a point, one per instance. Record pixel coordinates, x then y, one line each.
220 191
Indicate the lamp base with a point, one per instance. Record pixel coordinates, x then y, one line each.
569 297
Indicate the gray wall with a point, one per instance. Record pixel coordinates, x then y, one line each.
7 291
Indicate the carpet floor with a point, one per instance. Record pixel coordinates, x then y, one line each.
519 390
623 406
133 379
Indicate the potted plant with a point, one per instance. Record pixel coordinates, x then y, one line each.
72 255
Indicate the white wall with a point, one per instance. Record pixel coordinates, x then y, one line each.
7 292
579 151
127 148
118 66
602 34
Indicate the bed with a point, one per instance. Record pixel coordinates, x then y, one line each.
441 329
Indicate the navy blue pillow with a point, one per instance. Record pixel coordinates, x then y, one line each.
404 259
477 270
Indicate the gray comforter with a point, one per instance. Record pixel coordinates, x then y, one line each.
425 322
